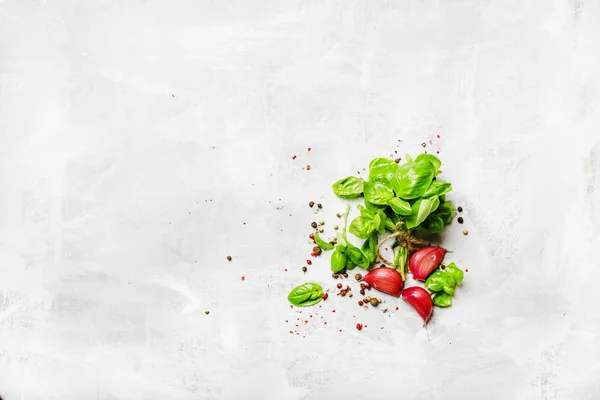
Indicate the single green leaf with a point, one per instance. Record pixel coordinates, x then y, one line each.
442 299
437 188
379 220
455 272
433 224
445 211
362 226
421 210
369 247
432 159
449 285
400 206
338 259
379 191
436 281
321 243
385 167
348 188
373 208
412 179
307 294
357 256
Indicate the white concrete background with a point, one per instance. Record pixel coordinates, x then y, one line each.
137 137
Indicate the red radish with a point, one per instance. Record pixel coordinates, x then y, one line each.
420 300
423 261
386 280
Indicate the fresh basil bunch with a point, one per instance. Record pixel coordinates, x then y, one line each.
409 193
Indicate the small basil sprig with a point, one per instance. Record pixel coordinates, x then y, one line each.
321 243
307 294
443 282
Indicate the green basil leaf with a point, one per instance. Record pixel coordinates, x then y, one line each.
358 257
321 243
433 224
449 285
432 159
305 295
362 227
400 206
437 188
348 188
421 210
413 179
382 167
373 208
455 272
369 247
436 281
338 259
380 220
379 191
445 211
442 300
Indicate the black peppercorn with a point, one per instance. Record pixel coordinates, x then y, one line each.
460 220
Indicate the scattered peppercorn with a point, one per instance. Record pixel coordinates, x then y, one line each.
349 294
459 209
397 160
311 203
319 205
320 230
358 277
314 225
335 276
359 326
335 227
308 262
374 302
206 312
385 310
228 258
465 232
363 286
334 240
339 215
325 296
367 286
367 299
317 251
339 285
360 303
304 269
345 274
343 293
423 144
460 220
362 291
308 167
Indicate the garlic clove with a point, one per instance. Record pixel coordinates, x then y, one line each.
420 300
386 280
423 261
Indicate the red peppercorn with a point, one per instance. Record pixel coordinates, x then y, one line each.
343 293
339 285
360 303
308 262
308 167
312 237
359 326
325 296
